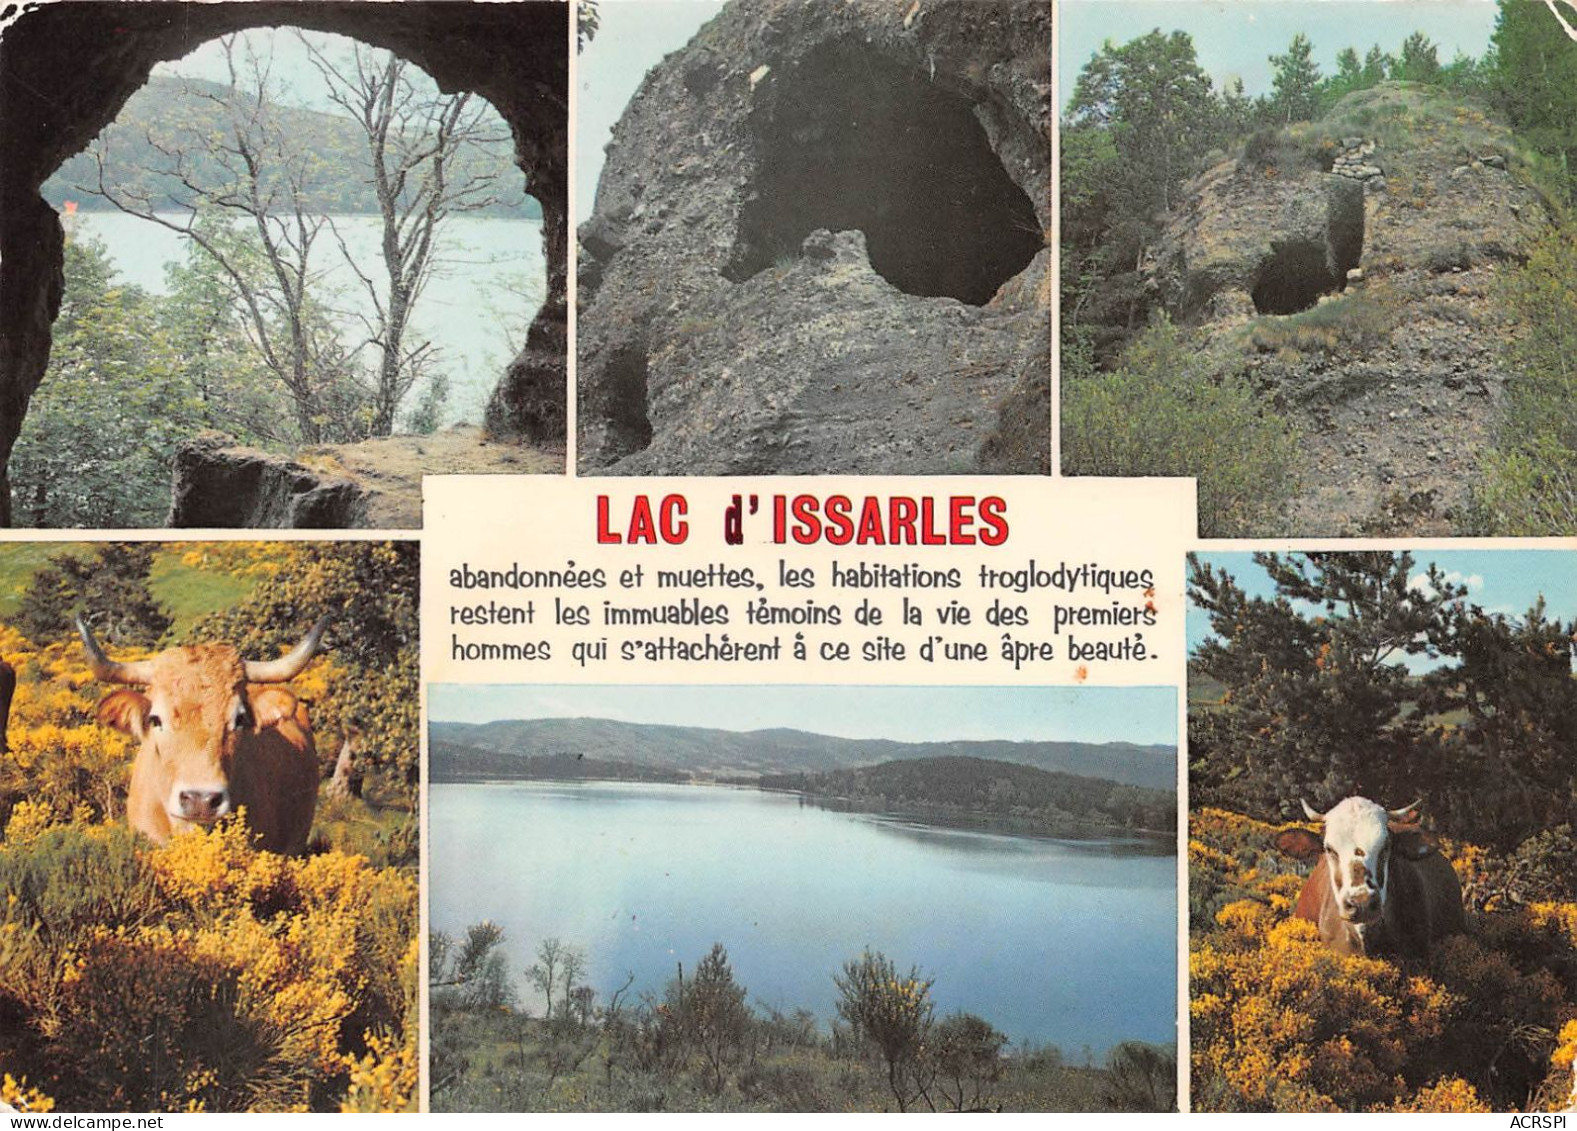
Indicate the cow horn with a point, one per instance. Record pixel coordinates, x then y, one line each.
1405 811
106 670
1310 812
289 665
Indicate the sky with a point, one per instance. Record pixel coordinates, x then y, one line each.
1145 715
1235 38
634 35
1499 581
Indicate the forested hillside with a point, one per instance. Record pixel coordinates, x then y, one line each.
137 145
981 787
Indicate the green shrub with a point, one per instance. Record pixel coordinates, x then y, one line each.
1528 481
203 974
1172 410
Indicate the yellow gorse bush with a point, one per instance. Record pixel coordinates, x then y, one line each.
205 975
20 1096
385 1079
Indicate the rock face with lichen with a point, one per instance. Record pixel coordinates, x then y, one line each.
819 245
1349 264
224 487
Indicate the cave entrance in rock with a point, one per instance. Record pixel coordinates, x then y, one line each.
849 139
277 324
1293 278
1298 272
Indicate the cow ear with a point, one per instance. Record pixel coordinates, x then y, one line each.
271 704
1300 844
1410 843
126 711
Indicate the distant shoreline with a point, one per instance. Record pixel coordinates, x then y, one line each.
1162 841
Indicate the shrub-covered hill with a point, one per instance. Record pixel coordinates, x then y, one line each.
980 786
1279 1022
1342 305
1347 269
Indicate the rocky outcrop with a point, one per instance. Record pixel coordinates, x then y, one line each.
1353 275
221 487
66 69
373 484
820 245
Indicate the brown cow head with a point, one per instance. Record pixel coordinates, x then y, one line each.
199 705
1360 837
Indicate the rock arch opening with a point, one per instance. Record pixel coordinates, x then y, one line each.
1298 272
67 70
849 139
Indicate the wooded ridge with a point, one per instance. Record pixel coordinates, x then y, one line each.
716 752
168 106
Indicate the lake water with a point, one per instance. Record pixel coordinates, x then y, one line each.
1067 942
489 284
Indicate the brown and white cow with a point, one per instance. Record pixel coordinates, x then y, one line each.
1379 886
216 737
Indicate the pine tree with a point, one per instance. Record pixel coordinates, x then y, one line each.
1420 61
109 590
1297 82
1535 81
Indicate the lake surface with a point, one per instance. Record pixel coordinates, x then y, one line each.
490 281
1067 942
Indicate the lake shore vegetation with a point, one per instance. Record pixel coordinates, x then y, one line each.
698 1043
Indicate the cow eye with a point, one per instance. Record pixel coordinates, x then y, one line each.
1331 850
154 722
1358 852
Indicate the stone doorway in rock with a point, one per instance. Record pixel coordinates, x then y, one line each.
221 304
820 239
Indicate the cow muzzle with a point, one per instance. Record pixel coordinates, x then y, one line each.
1361 905
201 806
